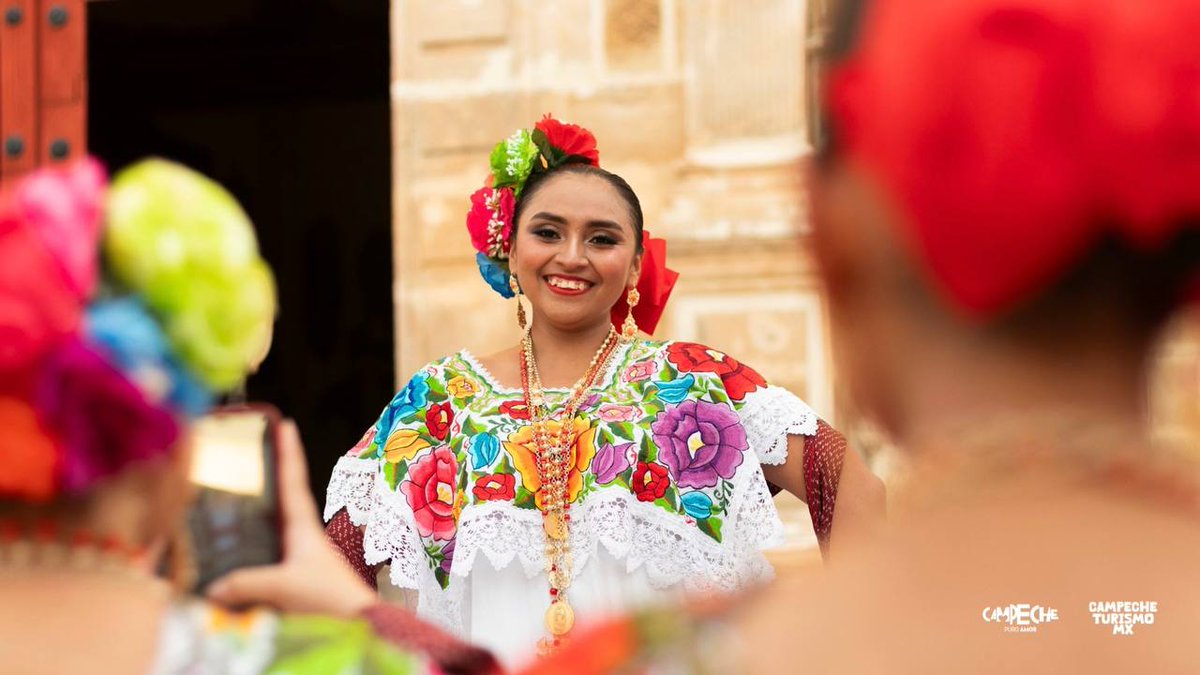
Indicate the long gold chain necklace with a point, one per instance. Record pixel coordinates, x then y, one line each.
554 459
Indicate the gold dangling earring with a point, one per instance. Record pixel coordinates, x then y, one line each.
516 289
629 329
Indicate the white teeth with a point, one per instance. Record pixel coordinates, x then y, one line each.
567 284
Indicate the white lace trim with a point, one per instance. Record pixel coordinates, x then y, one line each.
770 415
671 550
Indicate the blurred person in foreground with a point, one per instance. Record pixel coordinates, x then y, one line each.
1006 218
513 501
102 367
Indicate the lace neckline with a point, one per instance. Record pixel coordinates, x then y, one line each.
606 380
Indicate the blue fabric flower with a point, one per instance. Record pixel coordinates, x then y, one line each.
413 397
495 275
128 335
697 505
675 391
484 450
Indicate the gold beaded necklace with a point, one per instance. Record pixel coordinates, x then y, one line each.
554 460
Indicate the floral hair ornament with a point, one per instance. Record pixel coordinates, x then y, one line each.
1015 134
525 153
97 369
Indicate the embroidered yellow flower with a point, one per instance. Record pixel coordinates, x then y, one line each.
523 449
462 387
403 445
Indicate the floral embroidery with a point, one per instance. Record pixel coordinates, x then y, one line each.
462 387
515 409
582 441
430 490
650 482
484 450
738 378
638 372
438 418
610 461
403 446
700 442
667 429
496 486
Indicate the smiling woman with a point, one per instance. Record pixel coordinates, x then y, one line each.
617 471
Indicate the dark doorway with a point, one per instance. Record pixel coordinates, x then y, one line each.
286 103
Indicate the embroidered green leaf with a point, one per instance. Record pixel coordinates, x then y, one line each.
442 576
623 431
523 499
670 499
437 390
711 527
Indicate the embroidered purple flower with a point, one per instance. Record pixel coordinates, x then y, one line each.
448 556
103 420
700 442
610 461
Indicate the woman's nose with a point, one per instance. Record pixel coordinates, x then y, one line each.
572 254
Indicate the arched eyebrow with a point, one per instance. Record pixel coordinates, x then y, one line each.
555 218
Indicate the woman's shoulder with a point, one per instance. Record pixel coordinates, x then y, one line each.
199 636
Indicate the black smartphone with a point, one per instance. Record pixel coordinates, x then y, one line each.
235 518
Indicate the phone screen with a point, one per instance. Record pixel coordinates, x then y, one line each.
234 520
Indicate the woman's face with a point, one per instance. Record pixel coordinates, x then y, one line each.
575 251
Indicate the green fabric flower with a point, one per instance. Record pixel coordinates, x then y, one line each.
317 645
184 244
512 161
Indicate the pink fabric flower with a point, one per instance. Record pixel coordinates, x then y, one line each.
63 206
638 371
431 489
38 307
619 413
490 221
102 420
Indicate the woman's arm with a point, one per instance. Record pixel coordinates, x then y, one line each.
835 483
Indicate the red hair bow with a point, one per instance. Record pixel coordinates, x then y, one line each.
654 287
1015 134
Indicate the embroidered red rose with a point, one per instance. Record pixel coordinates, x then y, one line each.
438 419
650 481
495 487
515 409
572 139
430 491
738 378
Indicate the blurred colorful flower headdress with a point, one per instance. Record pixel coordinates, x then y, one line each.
98 362
490 222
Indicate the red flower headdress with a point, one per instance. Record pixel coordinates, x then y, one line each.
490 220
1014 134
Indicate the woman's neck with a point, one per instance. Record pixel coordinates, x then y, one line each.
562 355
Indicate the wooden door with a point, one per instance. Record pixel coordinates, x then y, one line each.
43 83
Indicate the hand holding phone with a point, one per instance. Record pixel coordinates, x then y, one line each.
313 576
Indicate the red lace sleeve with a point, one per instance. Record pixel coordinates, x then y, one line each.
823 455
349 540
455 657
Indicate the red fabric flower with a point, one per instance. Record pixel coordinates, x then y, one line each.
654 286
438 419
738 378
490 221
572 139
650 481
495 487
430 491
1016 134
515 409
38 305
31 457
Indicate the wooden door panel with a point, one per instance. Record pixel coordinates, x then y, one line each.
62 38
63 132
18 86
